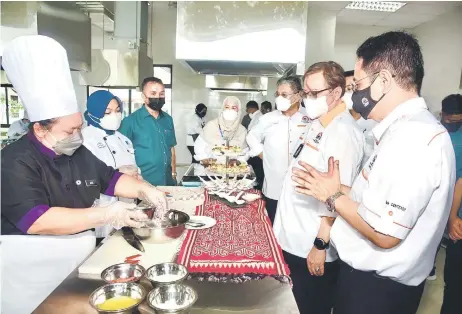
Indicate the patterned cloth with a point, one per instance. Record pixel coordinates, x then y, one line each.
240 247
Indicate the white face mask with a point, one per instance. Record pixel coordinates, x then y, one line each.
111 121
316 107
282 103
229 114
347 100
251 115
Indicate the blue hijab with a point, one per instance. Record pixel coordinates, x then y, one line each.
96 107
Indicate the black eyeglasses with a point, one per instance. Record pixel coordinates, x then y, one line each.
354 85
313 94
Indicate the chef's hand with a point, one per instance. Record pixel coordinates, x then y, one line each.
151 195
320 185
120 214
455 228
131 170
315 261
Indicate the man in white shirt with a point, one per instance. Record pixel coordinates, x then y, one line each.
302 223
392 219
19 128
366 125
275 137
194 127
254 113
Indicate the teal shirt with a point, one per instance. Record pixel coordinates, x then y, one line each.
152 139
456 138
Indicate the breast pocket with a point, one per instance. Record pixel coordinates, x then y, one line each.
169 135
313 156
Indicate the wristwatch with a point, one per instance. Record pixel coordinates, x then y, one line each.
330 202
173 174
320 244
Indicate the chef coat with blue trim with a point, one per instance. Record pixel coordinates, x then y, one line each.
152 139
35 179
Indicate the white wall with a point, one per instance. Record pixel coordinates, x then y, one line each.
441 42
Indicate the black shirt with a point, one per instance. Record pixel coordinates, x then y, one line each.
34 179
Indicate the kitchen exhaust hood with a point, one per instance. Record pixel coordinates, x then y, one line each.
247 38
236 83
60 20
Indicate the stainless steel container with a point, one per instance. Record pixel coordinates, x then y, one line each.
110 291
172 299
166 274
123 271
172 228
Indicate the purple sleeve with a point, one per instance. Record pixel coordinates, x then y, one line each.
32 215
112 183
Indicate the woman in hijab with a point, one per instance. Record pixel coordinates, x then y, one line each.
103 115
226 126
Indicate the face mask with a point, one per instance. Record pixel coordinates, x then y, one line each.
251 115
156 103
316 107
68 145
111 121
347 100
229 115
282 103
363 103
452 126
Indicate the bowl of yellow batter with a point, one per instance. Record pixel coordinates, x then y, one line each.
120 298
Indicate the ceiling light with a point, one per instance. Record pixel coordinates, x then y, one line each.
381 6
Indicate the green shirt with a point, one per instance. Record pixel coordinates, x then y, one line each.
152 139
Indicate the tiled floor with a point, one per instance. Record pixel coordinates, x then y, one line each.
433 294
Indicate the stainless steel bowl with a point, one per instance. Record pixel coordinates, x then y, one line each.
166 274
110 291
123 271
172 229
171 299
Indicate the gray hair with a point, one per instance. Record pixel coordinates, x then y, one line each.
293 81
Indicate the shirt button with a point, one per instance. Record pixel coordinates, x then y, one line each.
113 151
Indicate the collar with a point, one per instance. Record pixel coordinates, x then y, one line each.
145 113
329 116
42 148
408 107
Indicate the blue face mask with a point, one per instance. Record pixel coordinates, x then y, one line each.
452 126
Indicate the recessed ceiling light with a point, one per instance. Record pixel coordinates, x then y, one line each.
381 6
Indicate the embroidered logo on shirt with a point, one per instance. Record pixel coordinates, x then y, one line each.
365 101
371 164
101 145
318 137
395 206
91 183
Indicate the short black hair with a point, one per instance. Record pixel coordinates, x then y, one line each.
398 52
294 82
452 104
266 105
151 79
349 73
200 107
252 104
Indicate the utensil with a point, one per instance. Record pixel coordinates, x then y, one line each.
123 271
132 290
131 238
171 299
166 274
171 228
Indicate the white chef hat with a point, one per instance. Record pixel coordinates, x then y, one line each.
37 67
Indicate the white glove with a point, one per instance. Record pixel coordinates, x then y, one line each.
131 170
156 198
120 214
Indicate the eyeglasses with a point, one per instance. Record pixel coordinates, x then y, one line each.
313 94
354 86
284 95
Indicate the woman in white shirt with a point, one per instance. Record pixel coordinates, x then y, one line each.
103 115
226 126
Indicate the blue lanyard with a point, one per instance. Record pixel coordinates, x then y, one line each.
221 132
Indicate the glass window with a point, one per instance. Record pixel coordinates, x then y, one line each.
92 89
137 100
164 73
124 96
3 105
15 108
168 101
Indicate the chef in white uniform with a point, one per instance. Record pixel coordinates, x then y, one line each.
390 222
275 137
104 115
19 128
365 125
53 181
194 126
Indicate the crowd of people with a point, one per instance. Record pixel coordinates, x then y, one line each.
360 179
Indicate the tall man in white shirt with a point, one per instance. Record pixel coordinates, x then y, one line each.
303 223
275 136
392 218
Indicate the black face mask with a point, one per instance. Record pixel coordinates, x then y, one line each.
156 103
202 113
452 126
363 102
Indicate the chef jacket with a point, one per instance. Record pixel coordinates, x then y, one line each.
276 135
36 179
194 126
153 140
256 116
404 191
366 127
17 129
298 216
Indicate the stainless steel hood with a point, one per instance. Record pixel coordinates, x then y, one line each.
100 12
259 38
236 83
60 20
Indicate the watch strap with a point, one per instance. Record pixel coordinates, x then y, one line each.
320 244
330 202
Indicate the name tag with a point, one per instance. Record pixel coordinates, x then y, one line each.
90 183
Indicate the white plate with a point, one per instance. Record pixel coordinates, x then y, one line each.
208 221
250 197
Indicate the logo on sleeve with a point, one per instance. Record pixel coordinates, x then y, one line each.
395 206
371 164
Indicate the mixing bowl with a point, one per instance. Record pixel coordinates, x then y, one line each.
172 299
123 271
132 290
166 274
172 228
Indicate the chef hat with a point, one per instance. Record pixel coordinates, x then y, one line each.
37 67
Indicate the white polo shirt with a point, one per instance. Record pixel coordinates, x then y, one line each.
276 135
405 191
366 126
298 216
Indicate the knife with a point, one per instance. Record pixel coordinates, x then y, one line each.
132 239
